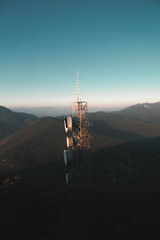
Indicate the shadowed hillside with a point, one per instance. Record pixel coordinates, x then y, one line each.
39 143
11 122
131 164
30 211
134 164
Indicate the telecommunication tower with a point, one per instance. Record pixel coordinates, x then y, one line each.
78 140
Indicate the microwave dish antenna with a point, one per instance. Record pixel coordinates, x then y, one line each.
69 141
68 157
68 124
68 178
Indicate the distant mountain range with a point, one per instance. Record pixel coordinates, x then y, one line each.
133 123
125 145
45 111
11 122
144 112
56 111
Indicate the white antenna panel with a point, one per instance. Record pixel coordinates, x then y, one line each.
68 124
68 157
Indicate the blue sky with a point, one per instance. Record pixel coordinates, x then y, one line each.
115 44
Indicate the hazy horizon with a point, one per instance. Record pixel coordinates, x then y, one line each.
58 110
42 111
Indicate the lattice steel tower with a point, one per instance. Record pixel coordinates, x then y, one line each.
78 140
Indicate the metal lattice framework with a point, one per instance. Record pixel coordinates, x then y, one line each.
78 140
80 132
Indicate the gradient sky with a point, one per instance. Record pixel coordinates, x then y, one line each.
115 44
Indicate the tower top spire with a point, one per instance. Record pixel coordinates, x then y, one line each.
78 87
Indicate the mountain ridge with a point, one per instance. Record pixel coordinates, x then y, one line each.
144 111
43 141
11 122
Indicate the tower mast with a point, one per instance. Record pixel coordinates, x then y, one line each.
78 140
78 87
